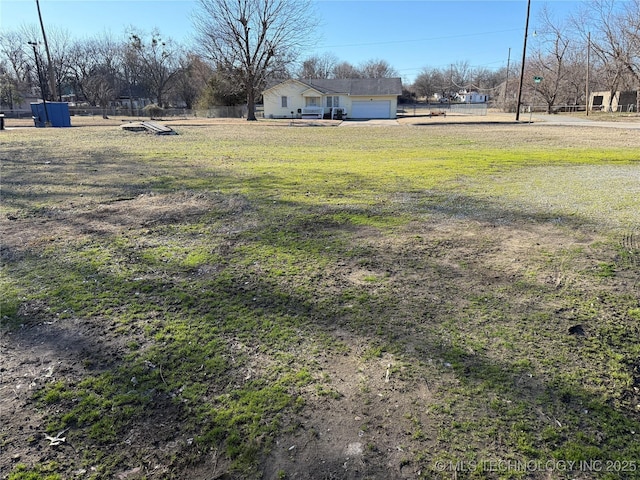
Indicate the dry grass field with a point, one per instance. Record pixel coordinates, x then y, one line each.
437 299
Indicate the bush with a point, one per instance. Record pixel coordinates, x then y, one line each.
153 110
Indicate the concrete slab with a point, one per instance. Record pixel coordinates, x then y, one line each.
375 122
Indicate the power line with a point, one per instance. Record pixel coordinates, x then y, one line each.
486 64
392 42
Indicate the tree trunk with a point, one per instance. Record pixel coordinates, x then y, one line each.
612 95
251 103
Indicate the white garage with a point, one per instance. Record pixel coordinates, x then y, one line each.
371 109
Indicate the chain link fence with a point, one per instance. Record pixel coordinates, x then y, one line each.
422 109
237 111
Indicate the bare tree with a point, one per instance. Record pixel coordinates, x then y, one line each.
460 76
377 69
485 79
60 45
158 63
328 66
192 79
426 83
311 69
96 71
548 60
575 80
346 70
481 78
15 67
13 47
614 30
630 23
102 90
9 91
432 81
319 66
249 37
508 90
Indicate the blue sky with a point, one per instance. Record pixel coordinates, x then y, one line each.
410 35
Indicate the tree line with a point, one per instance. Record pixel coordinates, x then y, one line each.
595 48
244 44
598 44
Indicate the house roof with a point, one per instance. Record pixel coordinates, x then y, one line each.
353 86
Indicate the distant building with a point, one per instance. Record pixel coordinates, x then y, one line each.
471 96
607 101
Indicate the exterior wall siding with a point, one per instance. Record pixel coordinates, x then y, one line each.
273 100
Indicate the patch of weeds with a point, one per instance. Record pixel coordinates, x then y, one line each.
191 367
606 270
363 387
244 420
178 258
373 352
55 392
37 472
628 256
102 405
361 251
323 391
577 451
371 278
9 301
591 427
523 440
369 220
634 313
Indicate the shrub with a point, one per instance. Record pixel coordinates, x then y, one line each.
153 110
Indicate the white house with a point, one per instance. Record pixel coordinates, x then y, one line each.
470 96
336 98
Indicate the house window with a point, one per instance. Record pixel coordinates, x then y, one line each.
311 101
283 102
333 102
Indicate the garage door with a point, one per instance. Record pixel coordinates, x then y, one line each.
379 109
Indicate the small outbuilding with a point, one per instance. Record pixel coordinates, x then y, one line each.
607 101
355 98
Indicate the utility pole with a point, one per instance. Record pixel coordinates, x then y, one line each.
52 77
524 56
47 123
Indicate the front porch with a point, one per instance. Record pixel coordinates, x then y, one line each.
321 105
330 113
